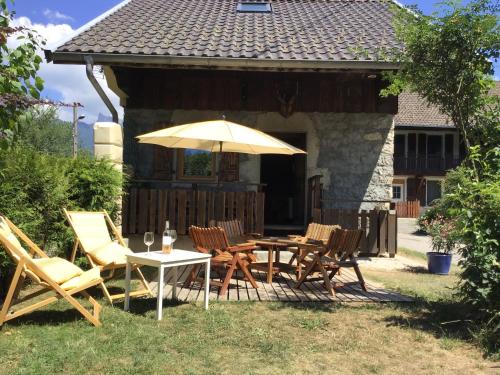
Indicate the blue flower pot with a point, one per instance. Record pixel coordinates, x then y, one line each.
438 263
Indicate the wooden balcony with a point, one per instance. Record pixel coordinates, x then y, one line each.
433 166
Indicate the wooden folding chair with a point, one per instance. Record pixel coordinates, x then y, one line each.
224 256
93 239
339 252
54 274
315 232
236 234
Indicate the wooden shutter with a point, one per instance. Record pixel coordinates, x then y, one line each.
162 163
229 168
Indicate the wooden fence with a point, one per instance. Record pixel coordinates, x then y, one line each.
379 226
407 208
147 209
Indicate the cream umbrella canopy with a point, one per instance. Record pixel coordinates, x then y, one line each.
219 136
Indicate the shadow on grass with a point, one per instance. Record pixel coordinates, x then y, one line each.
416 269
47 318
142 306
443 319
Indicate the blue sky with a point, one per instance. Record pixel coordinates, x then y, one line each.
57 19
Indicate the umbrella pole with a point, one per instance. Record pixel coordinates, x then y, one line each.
220 160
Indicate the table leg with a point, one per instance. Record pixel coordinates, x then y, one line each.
159 301
207 283
128 272
174 285
270 264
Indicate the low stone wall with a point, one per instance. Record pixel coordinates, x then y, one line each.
353 152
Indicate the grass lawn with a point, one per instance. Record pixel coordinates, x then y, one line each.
254 338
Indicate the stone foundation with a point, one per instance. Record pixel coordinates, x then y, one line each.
353 152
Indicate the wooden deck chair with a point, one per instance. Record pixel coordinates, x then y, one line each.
93 239
315 232
54 274
339 252
236 234
224 256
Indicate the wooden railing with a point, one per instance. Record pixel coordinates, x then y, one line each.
379 226
424 165
146 210
409 209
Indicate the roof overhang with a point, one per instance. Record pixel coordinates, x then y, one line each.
215 62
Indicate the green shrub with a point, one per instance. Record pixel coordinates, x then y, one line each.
475 206
36 186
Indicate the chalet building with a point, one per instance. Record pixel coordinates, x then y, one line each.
426 146
307 72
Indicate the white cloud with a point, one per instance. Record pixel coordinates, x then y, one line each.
55 15
70 81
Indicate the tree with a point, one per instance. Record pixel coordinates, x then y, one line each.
447 58
40 129
20 85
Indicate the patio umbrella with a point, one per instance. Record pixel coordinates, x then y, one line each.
219 136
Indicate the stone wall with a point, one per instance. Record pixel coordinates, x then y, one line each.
353 152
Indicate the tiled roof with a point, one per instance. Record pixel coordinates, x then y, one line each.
306 30
414 111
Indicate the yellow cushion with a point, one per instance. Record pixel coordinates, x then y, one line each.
85 278
112 253
58 269
6 232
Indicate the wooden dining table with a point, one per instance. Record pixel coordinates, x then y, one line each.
274 246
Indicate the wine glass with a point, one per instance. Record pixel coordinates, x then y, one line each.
173 235
149 239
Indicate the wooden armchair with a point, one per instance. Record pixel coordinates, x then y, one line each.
55 275
224 256
315 232
327 260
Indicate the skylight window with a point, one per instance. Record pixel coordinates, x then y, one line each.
247 7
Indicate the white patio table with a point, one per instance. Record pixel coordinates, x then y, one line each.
161 261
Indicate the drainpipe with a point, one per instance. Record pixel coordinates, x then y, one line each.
90 75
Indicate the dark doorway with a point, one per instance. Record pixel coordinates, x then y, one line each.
285 178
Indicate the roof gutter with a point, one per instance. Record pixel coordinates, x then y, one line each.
214 62
93 80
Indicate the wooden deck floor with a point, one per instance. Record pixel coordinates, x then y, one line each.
282 289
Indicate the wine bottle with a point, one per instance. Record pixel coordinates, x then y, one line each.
166 243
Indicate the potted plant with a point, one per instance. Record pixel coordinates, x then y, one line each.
442 231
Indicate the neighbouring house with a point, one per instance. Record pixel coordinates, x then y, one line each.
308 72
426 145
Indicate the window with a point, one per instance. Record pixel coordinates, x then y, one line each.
397 192
253 7
196 165
433 191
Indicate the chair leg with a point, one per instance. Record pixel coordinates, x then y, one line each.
10 294
328 283
192 275
247 273
143 281
229 275
19 286
360 276
308 270
290 262
334 272
106 293
96 307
